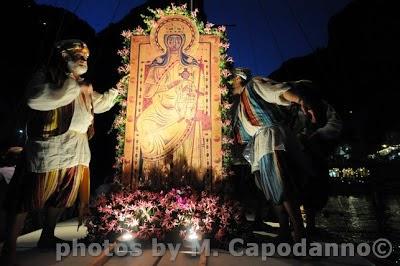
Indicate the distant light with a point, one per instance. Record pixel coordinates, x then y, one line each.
44 23
275 225
192 235
350 111
384 146
21 131
126 237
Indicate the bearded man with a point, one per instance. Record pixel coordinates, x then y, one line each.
61 107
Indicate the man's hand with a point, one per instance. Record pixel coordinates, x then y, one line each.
308 110
86 88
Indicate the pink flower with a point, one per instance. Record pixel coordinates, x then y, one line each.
225 73
138 31
121 88
112 224
181 200
194 13
227 122
227 105
160 12
120 159
208 223
221 28
132 223
124 52
226 140
224 45
119 121
167 223
224 173
209 25
101 200
127 34
223 90
124 69
151 214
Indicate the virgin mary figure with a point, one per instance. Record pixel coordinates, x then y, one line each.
168 127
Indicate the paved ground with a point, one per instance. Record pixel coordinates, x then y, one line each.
28 254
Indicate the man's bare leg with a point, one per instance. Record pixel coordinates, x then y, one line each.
47 238
15 224
310 219
283 218
293 210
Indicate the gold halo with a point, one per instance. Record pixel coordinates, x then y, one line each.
175 24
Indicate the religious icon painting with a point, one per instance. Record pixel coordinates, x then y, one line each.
173 128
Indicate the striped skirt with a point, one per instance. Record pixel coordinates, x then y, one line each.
58 188
279 178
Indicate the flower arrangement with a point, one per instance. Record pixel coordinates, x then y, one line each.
225 63
147 214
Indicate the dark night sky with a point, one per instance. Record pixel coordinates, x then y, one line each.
263 33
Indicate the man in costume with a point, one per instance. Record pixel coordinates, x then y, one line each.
274 153
61 109
318 140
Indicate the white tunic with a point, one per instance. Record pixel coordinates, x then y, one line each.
72 147
265 139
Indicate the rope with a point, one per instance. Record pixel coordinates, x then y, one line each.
21 104
251 42
268 26
115 11
221 7
300 25
59 30
99 52
319 66
274 39
63 19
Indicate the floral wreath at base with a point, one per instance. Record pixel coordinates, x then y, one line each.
145 215
225 64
